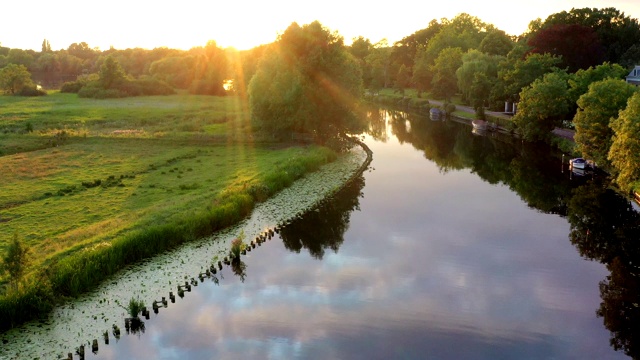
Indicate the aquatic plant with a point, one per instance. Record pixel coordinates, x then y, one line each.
237 245
135 307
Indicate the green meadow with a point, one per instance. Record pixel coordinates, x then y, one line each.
90 186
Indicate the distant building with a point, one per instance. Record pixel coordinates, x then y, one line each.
634 76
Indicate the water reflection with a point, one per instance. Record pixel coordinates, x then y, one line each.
239 268
604 225
324 227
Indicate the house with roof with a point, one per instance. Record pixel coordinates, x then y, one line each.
634 76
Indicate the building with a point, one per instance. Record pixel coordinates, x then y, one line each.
634 76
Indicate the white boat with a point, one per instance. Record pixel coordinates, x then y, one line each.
479 124
578 163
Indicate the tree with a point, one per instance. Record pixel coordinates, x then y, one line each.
496 42
15 261
596 108
543 105
111 73
405 51
624 153
464 32
479 93
46 46
516 72
360 48
581 80
82 51
475 62
422 74
308 82
445 82
577 45
13 78
616 32
20 57
403 79
379 63
631 57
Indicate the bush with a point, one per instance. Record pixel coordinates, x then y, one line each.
72 87
135 307
125 88
422 105
153 86
31 91
204 87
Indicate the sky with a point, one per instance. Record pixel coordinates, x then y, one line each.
244 24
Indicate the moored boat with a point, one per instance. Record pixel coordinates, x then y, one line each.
479 124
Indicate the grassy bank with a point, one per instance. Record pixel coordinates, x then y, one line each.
99 184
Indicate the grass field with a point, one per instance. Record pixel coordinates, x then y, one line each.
78 174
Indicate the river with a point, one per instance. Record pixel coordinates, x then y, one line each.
450 246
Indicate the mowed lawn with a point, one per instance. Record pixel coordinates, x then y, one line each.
121 165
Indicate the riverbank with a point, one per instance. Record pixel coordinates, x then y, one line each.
88 317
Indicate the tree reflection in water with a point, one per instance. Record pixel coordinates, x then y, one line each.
606 228
324 227
604 225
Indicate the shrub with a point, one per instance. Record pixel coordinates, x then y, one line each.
72 86
135 307
31 91
237 245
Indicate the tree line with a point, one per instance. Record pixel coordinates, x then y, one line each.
564 71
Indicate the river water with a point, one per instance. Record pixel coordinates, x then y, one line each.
450 246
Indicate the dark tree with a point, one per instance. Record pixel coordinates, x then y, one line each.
617 32
578 45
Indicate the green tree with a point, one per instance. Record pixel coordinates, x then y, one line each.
308 82
422 74
475 62
15 261
543 105
517 72
596 108
379 63
624 153
405 51
20 57
581 80
496 42
46 46
479 93
111 73
360 48
403 79
464 32
13 78
445 82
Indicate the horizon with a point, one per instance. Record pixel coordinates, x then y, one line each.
194 23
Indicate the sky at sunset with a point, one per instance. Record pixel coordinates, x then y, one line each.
246 23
